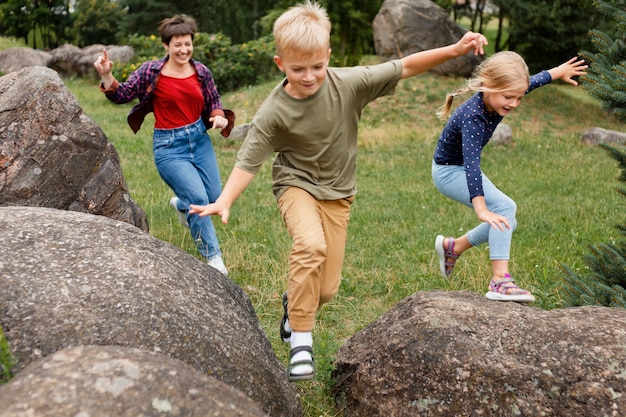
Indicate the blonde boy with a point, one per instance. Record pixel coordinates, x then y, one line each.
310 120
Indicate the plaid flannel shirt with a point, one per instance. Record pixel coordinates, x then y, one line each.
142 82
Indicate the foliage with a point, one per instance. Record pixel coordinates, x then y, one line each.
143 16
606 77
547 33
7 362
397 212
237 19
606 283
23 19
96 22
233 66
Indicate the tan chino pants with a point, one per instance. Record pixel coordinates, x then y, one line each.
318 229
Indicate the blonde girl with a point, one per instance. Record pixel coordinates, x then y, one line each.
499 83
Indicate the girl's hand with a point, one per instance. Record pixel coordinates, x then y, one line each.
219 122
472 41
495 220
103 65
572 68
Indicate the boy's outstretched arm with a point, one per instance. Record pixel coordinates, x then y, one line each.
572 68
424 60
237 182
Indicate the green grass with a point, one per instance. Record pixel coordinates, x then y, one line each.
564 193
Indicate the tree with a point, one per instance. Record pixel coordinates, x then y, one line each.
96 21
606 285
606 76
547 33
143 16
47 19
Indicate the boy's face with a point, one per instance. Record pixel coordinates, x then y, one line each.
305 75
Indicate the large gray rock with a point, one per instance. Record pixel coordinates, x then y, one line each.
17 58
403 27
597 135
123 382
76 279
70 60
459 354
53 155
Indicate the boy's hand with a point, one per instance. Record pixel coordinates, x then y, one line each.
572 68
211 209
472 41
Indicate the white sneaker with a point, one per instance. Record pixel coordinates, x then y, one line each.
182 219
217 263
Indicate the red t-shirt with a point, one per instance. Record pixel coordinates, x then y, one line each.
177 101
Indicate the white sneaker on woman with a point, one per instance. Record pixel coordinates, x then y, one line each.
217 263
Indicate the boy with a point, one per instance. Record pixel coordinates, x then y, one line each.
311 121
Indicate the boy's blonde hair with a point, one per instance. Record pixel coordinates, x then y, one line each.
302 30
503 71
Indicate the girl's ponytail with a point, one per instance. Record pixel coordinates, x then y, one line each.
444 111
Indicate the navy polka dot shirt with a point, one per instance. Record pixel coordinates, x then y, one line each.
468 131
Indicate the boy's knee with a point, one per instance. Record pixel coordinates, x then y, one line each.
327 294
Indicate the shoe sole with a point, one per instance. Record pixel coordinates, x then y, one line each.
286 337
442 257
182 218
520 298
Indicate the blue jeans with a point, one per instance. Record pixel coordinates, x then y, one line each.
186 161
451 181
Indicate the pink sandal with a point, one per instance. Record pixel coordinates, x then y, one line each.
505 290
445 266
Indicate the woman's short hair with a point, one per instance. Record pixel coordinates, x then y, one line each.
178 25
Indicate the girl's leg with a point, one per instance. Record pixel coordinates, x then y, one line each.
450 181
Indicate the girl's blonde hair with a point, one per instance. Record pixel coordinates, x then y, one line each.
503 71
302 30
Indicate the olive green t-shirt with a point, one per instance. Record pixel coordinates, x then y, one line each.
315 138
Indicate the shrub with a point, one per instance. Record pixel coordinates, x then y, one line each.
233 66
606 286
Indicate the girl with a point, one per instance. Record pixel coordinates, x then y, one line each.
500 82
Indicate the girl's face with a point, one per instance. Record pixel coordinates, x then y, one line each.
305 75
503 102
180 49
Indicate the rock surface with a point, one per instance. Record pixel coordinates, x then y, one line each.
123 382
403 27
598 135
53 155
75 279
459 354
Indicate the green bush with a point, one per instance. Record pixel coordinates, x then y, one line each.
6 360
604 284
233 65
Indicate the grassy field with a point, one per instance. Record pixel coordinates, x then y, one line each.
564 191
565 195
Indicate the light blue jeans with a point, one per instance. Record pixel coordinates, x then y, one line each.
186 162
451 181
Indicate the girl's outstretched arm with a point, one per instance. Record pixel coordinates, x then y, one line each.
572 68
424 60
